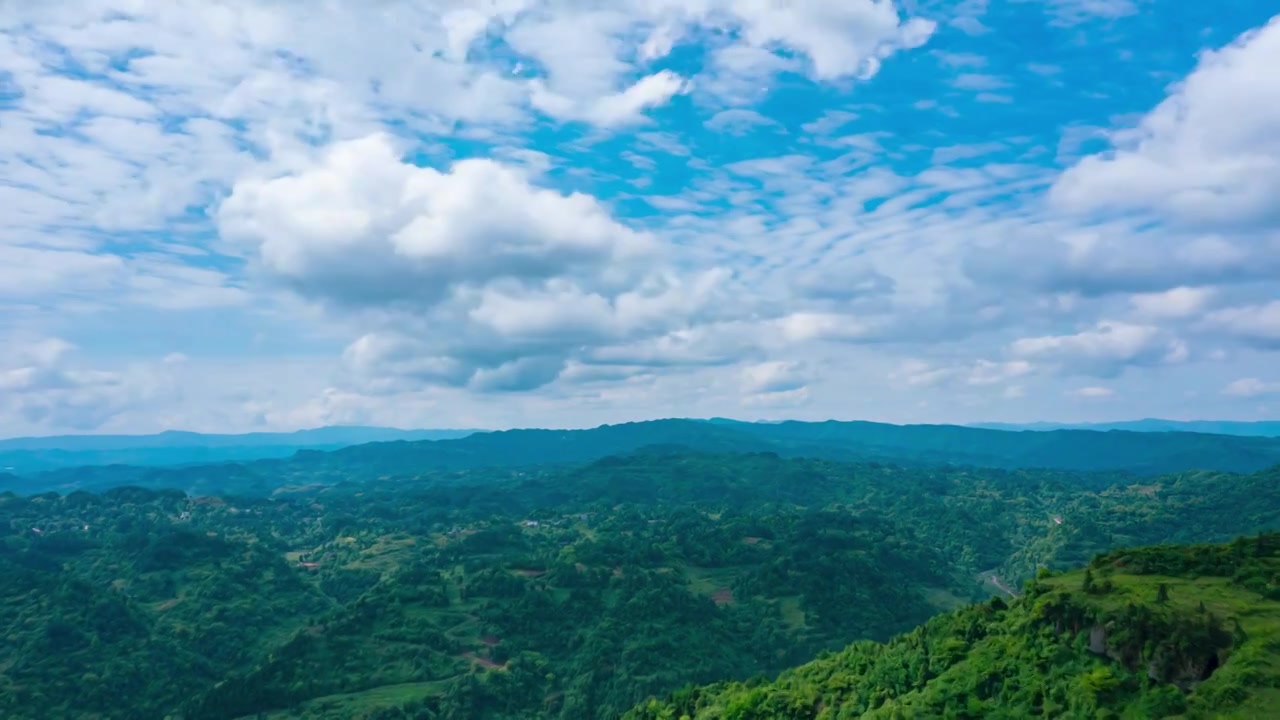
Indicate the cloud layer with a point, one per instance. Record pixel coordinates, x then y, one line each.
540 212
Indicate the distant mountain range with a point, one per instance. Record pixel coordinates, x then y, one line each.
1214 427
1137 453
36 454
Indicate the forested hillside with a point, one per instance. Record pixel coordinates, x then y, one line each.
1133 453
1173 631
534 592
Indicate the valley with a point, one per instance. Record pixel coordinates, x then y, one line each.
543 591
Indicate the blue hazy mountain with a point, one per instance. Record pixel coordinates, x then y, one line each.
259 465
174 447
1265 428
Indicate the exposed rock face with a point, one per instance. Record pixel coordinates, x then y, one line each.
1098 640
1185 673
1098 643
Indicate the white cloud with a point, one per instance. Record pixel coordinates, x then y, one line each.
840 39
570 184
178 97
979 81
919 373
620 108
1093 392
711 344
1105 350
976 374
785 398
1179 302
42 384
1210 153
1074 12
387 362
358 225
1251 387
952 153
737 121
776 376
986 372
482 279
806 326
993 98
1254 324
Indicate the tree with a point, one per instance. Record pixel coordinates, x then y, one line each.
1162 593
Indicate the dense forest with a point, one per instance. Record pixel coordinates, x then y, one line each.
1172 631
546 591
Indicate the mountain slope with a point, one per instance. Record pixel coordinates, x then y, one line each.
1173 631
1143 453
566 593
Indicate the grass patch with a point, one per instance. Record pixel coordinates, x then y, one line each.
353 705
792 613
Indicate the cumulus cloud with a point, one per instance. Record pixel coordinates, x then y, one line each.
486 280
1180 202
1105 350
1210 153
840 39
467 206
358 225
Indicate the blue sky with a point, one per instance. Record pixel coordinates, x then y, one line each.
229 216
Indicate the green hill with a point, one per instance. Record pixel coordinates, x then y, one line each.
1156 632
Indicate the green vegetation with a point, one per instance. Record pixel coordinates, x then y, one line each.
538 592
1171 631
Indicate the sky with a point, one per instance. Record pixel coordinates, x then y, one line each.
248 215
